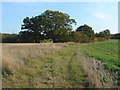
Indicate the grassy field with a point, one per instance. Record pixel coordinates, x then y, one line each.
107 53
61 69
63 65
16 55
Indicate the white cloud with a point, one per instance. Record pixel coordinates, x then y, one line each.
101 15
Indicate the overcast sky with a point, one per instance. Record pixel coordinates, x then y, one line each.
98 15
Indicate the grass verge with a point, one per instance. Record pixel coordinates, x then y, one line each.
107 53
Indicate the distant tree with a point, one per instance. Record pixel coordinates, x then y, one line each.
86 30
105 34
96 34
33 29
115 36
78 37
0 37
9 38
53 25
30 37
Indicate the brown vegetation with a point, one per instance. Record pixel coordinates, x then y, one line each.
99 77
17 54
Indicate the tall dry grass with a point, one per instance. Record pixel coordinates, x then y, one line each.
99 77
15 55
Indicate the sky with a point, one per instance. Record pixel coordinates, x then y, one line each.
98 15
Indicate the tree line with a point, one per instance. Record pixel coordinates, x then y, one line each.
55 26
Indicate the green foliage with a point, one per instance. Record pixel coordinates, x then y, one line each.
104 34
56 26
115 36
53 25
0 37
79 37
10 38
46 41
86 30
30 37
98 39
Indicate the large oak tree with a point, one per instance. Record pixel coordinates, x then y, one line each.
53 25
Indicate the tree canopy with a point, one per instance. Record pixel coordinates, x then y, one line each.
55 26
115 36
104 34
78 37
86 30
49 25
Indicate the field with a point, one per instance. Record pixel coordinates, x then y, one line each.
61 65
15 55
107 52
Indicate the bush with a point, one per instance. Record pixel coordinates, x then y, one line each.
10 38
97 39
79 37
46 41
